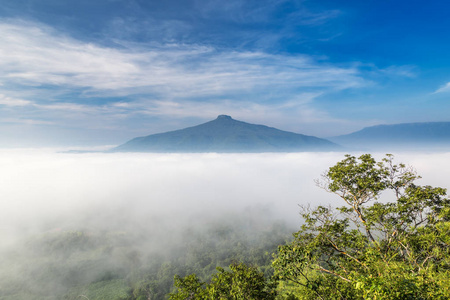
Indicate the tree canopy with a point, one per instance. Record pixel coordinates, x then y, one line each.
241 282
368 248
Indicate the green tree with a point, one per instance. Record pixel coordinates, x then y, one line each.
188 287
371 249
241 282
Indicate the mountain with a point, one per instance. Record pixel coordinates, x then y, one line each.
408 136
225 134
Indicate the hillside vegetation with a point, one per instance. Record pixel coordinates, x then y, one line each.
123 265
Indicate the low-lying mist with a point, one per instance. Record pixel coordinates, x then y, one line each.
45 190
153 205
42 190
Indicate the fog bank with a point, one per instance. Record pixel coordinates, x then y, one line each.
45 190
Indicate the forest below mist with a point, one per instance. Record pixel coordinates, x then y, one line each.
367 245
121 265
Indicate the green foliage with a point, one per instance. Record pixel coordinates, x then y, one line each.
241 282
189 287
369 249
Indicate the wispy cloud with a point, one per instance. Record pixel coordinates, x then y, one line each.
401 71
245 110
35 55
14 102
258 12
443 89
8 101
26 121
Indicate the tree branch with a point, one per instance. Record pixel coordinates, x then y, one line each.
333 273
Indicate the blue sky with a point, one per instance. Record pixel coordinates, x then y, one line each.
102 72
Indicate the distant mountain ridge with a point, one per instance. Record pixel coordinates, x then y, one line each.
423 135
225 134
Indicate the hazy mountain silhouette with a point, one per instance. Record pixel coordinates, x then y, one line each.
225 134
409 136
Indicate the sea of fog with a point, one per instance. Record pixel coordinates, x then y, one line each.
43 189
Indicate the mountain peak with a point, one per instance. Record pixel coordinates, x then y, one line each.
224 117
225 134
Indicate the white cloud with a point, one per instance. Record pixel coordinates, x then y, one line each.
443 89
8 101
33 55
13 102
